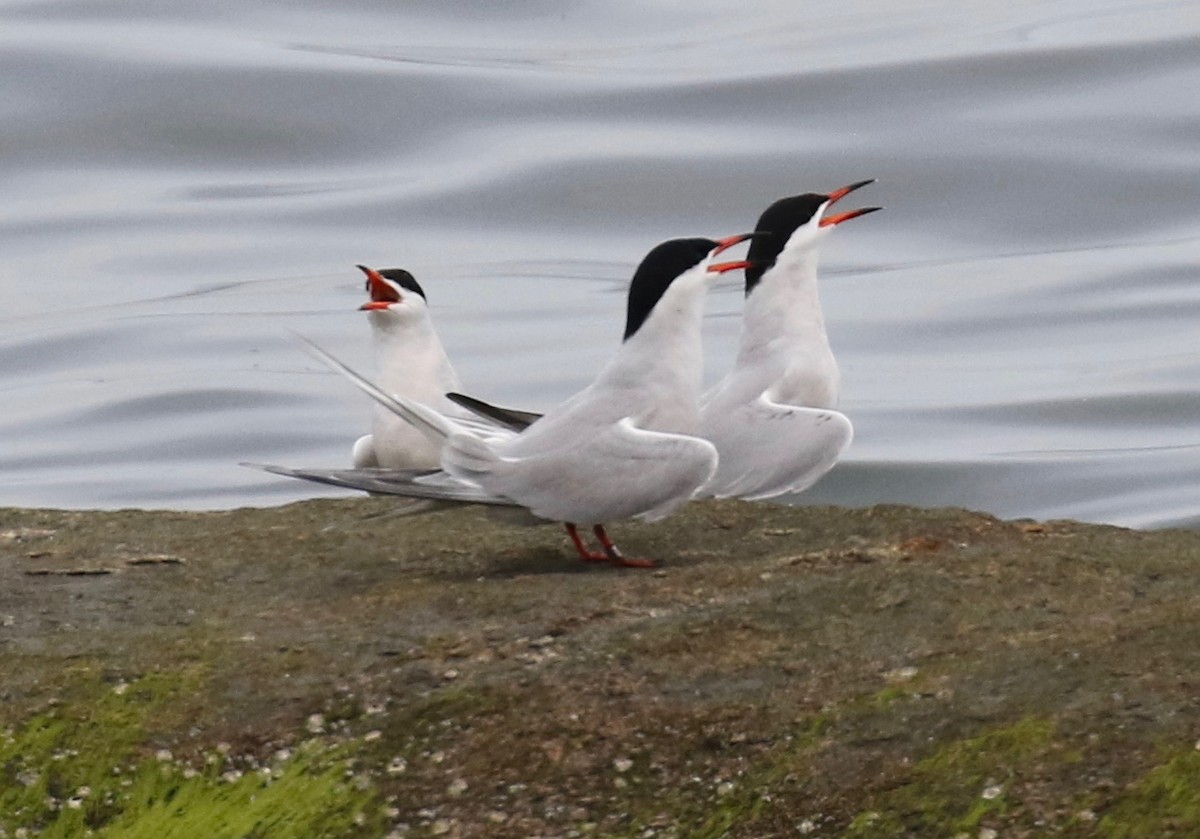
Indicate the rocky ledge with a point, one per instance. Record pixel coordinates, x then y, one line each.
327 669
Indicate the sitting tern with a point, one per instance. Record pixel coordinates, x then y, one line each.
771 418
622 447
411 361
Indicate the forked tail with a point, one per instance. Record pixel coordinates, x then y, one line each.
464 454
426 420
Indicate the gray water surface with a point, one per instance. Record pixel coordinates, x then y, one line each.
184 183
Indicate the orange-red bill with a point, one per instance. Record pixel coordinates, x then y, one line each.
838 194
722 267
382 293
730 241
830 221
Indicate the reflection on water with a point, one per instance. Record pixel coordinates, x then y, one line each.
184 184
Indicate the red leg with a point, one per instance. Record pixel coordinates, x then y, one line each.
584 553
616 557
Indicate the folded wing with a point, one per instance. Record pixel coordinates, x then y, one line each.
615 472
581 472
768 449
510 418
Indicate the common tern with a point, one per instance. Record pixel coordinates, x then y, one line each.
411 361
622 447
771 418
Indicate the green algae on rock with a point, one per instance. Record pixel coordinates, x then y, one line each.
81 768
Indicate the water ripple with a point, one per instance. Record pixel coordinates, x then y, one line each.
184 183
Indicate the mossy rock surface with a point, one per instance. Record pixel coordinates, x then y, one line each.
329 669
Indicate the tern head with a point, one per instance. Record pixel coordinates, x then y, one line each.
396 297
675 263
796 223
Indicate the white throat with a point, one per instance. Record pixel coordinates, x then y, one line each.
408 352
784 345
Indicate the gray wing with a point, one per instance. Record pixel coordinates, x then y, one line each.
767 449
508 417
430 484
614 472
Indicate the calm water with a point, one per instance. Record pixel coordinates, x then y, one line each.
185 182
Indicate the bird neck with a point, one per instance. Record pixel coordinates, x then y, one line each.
663 358
783 311
409 352
784 346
